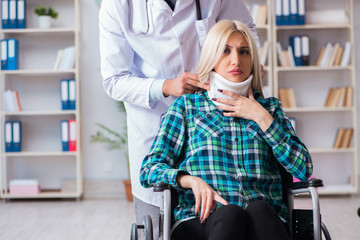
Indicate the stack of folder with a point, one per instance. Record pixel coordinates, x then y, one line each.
9 54
68 135
13 14
290 12
12 136
68 94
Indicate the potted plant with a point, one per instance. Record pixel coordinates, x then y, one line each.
114 140
44 16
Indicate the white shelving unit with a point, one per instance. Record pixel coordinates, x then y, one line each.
317 125
265 34
38 86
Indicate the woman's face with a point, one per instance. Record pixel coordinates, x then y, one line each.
235 64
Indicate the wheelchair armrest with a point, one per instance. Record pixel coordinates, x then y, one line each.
314 182
161 186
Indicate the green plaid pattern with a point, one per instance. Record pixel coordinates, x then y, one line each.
233 155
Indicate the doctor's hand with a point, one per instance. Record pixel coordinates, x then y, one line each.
183 84
244 107
205 197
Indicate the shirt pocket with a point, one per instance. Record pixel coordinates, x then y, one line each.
252 131
202 28
208 125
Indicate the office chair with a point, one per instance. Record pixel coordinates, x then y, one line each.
304 224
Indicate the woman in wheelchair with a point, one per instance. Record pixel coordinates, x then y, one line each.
220 149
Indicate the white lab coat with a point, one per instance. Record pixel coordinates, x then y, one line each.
130 63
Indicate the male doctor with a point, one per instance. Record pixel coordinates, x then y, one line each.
148 50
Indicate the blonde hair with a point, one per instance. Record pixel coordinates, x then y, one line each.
214 46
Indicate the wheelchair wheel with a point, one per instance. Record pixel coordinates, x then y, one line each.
148 228
325 231
134 232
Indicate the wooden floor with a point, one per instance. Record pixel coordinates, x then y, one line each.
109 219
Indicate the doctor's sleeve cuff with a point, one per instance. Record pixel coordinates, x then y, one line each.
156 93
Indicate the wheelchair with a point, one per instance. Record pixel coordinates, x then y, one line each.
305 224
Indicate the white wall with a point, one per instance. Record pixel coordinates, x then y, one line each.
98 107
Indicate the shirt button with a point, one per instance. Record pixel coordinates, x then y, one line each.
236 139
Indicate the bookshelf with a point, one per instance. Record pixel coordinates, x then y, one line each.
38 85
264 32
317 125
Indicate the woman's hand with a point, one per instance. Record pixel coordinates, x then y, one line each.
244 107
205 197
183 84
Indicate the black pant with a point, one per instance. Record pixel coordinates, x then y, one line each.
231 222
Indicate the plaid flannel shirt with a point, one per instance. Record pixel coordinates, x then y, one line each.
233 155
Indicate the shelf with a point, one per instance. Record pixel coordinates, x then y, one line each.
44 194
38 154
314 26
318 109
262 27
311 68
37 72
40 113
331 150
37 30
337 189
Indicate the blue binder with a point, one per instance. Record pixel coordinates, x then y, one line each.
4 54
286 12
13 57
5 14
64 94
294 12
8 136
295 42
64 128
21 14
301 9
72 94
16 136
278 13
12 14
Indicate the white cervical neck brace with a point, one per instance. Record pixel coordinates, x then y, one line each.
219 82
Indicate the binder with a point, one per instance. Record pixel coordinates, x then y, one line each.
65 135
278 13
12 14
5 14
64 94
294 12
301 11
326 56
13 58
72 94
286 12
305 50
4 54
8 137
295 42
345 61
16 130
21 14
72 135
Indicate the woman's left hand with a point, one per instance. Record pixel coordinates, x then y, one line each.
243 107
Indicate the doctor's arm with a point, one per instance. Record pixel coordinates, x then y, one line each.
116 62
